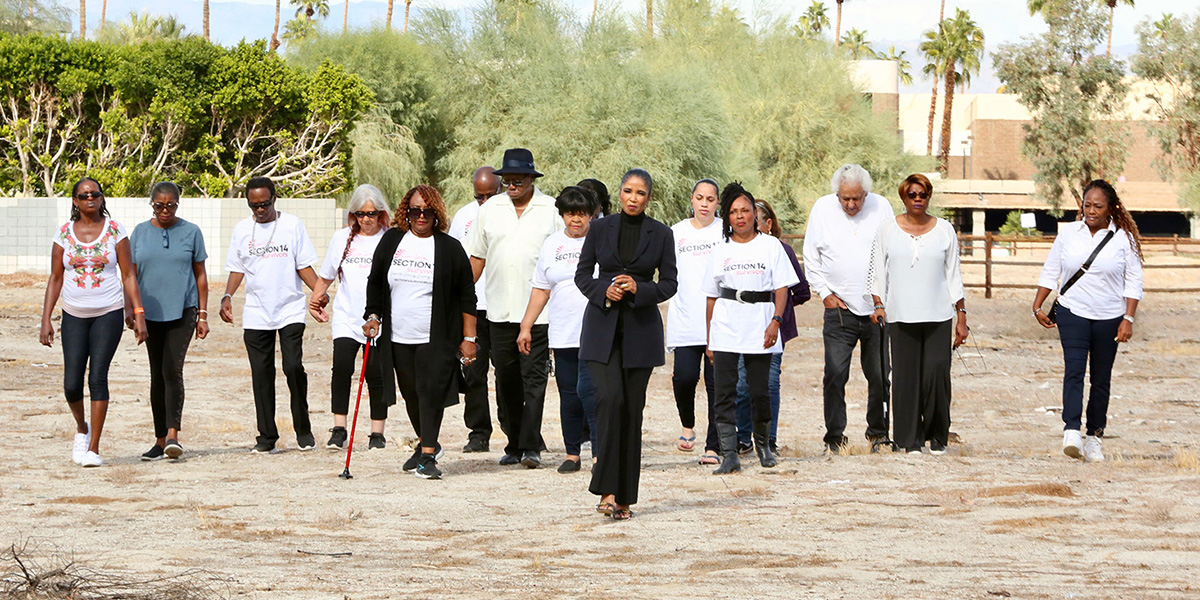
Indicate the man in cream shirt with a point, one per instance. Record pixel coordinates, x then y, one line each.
837 254
504 245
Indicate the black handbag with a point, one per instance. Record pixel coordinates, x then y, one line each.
1053 314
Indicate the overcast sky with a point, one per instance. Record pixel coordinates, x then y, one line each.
887 22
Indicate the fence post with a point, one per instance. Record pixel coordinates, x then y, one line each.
987 265
1175 245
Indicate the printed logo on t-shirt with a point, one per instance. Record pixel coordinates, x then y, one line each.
412 268
694 248
359 257
743 268
563 253
274 250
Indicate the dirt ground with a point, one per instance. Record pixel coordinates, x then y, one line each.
1004 514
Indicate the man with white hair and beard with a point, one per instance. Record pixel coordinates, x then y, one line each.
837 254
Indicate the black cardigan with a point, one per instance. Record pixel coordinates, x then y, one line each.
438 370
640 321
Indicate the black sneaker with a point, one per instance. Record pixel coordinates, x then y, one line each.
376 441
532 459
413 461
154 453
568 466
510 459
337 439
173 450
263 448
427 467
476 445
745 447
306 441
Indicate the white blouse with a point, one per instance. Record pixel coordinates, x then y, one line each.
1115 275
917 276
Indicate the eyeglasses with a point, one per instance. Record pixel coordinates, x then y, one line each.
88 195
166 239
481 197
429 213
258 205
517 183
913 195
159 207
366 214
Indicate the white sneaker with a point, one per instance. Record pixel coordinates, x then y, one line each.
91 459
1072 443
79 448
1091 449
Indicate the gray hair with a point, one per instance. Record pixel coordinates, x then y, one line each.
850 173
164 187
367 192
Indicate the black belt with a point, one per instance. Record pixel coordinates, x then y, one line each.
747 297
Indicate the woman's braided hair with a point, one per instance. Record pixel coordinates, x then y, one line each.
1117 211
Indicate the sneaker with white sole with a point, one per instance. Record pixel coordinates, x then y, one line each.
91 459
79 447
1072 443
1091 449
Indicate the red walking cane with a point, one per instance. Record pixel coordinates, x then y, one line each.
350 447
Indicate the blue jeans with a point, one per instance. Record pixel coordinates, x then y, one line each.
745 423
576 399
1086 343
92 340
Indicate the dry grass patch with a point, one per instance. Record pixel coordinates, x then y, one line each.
84 500
1057 490
1186 459
1010 525
123 474
1159 511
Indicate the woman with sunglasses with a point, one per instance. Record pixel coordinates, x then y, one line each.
84 258
348 261
915 282
169 255
421 304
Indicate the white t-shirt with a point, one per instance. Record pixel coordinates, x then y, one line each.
351 299
555 271
271 256
411 280
688 307
760 265
91 283
916 276
460 228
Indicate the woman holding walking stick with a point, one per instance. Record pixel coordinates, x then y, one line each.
421 304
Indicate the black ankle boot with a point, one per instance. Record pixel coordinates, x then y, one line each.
762 446
727 436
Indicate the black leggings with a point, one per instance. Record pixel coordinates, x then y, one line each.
685 376
91 340
167 344
424 411
345 350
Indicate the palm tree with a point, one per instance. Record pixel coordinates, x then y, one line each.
389 15
1162 27
964 52
855 40
143 28
933 49
103 13
837 33
1112 9
205 20
311 8
814 20
903 67
82 19
345 16
650 18
275 32
407 7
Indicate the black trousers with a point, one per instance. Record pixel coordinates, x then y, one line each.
620 400
842 331
921 382
758 371
166 346
424 411
345 378
477 413
521 385
260 349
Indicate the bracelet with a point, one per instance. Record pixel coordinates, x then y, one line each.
962 310
1128 318
199 320
203 312
878 307
373 318
777 319
226 297
469 338
139 311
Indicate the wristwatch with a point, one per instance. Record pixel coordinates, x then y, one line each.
374 317
469 338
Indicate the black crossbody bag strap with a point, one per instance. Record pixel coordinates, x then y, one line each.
1087 264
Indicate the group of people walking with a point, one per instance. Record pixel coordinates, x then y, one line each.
518 277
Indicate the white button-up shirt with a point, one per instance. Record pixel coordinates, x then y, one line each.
1115 275
511 245
837 249
460 228
917 276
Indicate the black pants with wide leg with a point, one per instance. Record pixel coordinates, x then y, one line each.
521 385
921 383
620 400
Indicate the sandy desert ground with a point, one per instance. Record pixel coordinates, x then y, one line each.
1005 514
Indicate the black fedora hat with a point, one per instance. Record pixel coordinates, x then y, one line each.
518 161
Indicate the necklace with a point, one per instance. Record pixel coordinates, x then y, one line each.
262 251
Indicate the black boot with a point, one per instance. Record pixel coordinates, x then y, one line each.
727 436
762 446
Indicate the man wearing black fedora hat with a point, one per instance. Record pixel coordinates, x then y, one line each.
504 245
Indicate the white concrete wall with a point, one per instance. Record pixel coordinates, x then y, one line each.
30 223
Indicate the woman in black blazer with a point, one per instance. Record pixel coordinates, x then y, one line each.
421 304
622 338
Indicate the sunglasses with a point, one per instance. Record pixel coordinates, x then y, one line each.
481 197
517 183
159 207
366 214
429 213
258 205
913 195
88 195
166 241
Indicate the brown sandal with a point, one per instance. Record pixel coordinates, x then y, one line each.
606 508
622 514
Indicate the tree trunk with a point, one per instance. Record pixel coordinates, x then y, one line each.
1112 9
104 15
407 6
275 33
595 6
389 15
942 12
83 19
932 110
345 16
837 32
650 18
948 105
206 20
